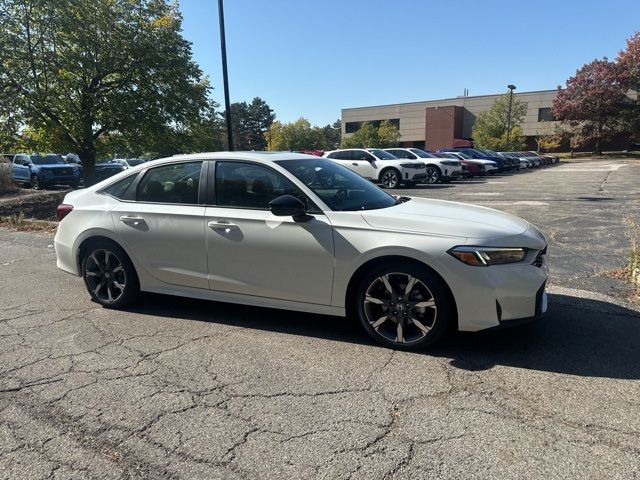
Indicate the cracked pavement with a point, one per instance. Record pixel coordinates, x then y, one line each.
179 388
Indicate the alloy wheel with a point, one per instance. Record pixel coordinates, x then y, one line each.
105 275
400 308
432 175
390 179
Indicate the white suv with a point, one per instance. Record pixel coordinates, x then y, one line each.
438 169
379 166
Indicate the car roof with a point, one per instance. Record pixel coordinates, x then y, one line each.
262 157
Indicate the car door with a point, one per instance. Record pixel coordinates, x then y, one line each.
161 223
253 252
20 170
364 164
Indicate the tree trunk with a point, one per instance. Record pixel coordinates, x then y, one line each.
88 157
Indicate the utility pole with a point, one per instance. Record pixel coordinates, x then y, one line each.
227 104
511 89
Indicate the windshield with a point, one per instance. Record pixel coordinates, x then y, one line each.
47 160
422 153
381 154
338 187
134 161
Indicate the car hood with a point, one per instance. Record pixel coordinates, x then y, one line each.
452 219
53 165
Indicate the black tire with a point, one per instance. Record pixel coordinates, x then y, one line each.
433 174
126 276
428 287
390 178
35 183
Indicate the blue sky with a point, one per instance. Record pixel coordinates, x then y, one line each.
312 58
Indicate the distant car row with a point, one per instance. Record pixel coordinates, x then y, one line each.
39 171
394 167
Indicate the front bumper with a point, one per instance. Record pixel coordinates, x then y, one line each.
487 297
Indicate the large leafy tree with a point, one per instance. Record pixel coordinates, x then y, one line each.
386 135
250 122
298 135
490 130
591 105
629 61
85 69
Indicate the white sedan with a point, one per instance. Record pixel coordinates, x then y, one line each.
303 233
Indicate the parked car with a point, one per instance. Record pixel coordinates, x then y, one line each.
480 155
298 232
438 169
106 168
380 166
489 166
534 159
524 163
40 171
128 162
552 158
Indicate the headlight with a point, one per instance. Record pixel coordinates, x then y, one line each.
451 163
485 256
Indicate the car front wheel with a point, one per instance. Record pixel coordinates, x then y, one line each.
109 275
390 178
433 175
403 306
35 182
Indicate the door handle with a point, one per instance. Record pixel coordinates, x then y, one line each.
225 225
132 220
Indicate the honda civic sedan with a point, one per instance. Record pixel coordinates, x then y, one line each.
299 232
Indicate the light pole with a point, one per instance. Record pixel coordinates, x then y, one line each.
223 47
511 89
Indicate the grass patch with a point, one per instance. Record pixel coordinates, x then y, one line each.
604 155
634 255
22 224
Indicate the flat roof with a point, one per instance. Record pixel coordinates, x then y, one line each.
448 99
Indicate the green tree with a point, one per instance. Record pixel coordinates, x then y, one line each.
298 135
332 135
81 70
368 136
250 122
490 128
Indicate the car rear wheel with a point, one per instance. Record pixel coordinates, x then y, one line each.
433 174
390 178
109 275
403 306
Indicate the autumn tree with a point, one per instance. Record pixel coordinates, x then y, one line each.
629 61
386 135
591 105
81 70
490 129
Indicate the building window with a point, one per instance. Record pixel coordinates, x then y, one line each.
545 115
352 127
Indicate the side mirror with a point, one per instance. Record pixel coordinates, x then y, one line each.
289 206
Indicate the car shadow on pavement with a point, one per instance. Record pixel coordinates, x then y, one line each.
578 336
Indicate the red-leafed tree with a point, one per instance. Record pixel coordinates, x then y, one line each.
629 61
592 104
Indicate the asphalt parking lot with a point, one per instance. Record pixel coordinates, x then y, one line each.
177 388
